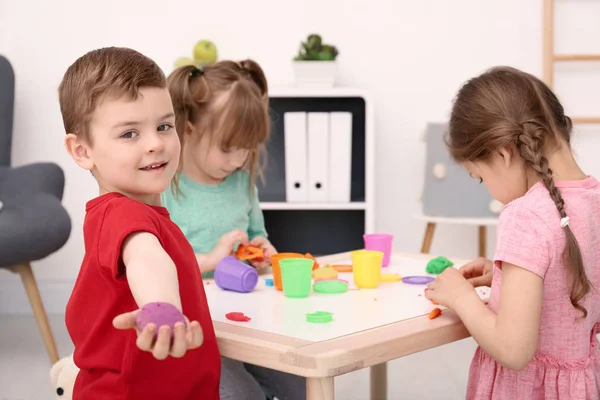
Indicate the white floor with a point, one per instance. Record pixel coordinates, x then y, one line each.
439 373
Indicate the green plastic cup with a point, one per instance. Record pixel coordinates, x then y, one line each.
296 276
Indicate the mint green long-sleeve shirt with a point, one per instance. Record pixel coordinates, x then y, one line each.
206 212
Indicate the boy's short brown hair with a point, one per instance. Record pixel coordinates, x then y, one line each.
110 71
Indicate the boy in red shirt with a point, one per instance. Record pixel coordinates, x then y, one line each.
119 120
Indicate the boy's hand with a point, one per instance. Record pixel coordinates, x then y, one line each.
224 246
479 272
184 338
263 243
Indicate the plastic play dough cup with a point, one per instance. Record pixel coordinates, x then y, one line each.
366 266
296 276
276 268
380 242
232 274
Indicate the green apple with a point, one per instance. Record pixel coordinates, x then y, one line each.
182 61
205 52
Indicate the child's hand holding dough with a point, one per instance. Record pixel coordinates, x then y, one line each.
175 337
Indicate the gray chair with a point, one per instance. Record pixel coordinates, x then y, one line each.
33 223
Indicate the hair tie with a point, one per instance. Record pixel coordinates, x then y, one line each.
564 222
196 72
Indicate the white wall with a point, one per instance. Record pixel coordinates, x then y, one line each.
411 55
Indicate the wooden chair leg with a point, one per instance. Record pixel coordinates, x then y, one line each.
482 241
428 238
37 307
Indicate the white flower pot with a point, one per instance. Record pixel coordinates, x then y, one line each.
315 73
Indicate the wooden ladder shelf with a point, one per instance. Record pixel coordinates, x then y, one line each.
550 57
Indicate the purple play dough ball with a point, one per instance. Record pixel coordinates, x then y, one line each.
159 314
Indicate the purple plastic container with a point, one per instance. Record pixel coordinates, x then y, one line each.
232 274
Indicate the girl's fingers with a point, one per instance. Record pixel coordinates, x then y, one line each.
260 265
484 280
240 236
469 271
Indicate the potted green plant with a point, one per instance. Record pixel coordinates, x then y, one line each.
315 64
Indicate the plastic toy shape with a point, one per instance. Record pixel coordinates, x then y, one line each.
320 317
390 278
327 272
436 312
250 253
330 286
237 316
342 267
418 280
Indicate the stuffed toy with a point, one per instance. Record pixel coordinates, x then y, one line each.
62 375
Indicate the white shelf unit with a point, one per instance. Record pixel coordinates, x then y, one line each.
316 216
334 92
273 205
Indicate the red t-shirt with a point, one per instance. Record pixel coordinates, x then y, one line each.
112 367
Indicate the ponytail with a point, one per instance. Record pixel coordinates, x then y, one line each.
256 74
188 89
257 161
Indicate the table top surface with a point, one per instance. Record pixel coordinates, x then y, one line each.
353 311
369 325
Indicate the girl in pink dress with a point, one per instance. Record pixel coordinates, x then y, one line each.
537 336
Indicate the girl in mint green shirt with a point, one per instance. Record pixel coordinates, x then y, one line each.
222 119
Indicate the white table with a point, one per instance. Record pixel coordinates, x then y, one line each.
370 327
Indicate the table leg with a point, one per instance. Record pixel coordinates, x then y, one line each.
482 241
379 382
428 238
319 388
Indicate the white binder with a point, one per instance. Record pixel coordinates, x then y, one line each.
318 157
295 143
340 156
